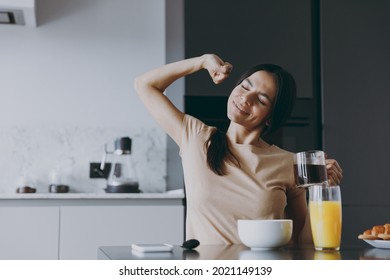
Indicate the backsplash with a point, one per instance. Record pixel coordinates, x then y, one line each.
37 155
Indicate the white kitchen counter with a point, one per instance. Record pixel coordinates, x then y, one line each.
175 197
174 194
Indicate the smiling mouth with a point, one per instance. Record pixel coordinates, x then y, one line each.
239 108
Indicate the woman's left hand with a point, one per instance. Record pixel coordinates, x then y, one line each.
334 172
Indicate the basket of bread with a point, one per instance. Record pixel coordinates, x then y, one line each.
380 232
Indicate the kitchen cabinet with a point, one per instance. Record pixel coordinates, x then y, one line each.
85 228
73 226
29 233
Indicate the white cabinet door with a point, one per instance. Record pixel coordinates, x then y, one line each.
85 228
29 233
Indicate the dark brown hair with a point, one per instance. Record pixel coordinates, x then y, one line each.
218 151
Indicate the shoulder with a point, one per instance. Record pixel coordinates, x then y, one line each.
190 122
193 127
283 154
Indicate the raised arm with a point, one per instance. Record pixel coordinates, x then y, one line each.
150 88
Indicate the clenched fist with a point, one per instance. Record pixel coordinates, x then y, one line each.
217 68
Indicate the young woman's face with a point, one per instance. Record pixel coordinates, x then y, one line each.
251 102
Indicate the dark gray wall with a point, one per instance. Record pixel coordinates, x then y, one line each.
246 33
356 98
251 32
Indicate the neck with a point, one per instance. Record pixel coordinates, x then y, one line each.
242 135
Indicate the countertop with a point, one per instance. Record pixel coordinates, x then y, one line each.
174 194
241 252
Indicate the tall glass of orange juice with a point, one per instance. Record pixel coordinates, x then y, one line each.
325 216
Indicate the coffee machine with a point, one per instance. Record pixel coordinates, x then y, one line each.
122 177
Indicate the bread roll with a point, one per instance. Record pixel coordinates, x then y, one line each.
377 232
387 228
367 234
384 236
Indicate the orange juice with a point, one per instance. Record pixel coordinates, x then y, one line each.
325 219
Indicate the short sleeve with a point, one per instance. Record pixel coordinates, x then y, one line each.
294 192
190 127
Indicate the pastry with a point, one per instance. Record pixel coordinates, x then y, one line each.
367 235
387 228
386 234
378 232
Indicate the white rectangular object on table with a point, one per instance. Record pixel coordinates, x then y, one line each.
152 247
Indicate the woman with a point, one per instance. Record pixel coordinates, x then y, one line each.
232 175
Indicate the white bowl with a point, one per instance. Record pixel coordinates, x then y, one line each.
264 234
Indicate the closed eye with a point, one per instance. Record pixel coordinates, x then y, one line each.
262 102
263 99
245 84
244 87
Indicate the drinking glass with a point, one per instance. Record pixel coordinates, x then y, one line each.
325 216
309 168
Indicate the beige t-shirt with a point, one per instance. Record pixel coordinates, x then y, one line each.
257 190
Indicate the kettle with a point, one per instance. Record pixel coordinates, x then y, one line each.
122 177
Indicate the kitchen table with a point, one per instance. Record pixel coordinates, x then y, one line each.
241 252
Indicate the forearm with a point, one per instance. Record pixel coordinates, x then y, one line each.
297 211
160 78
151 86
